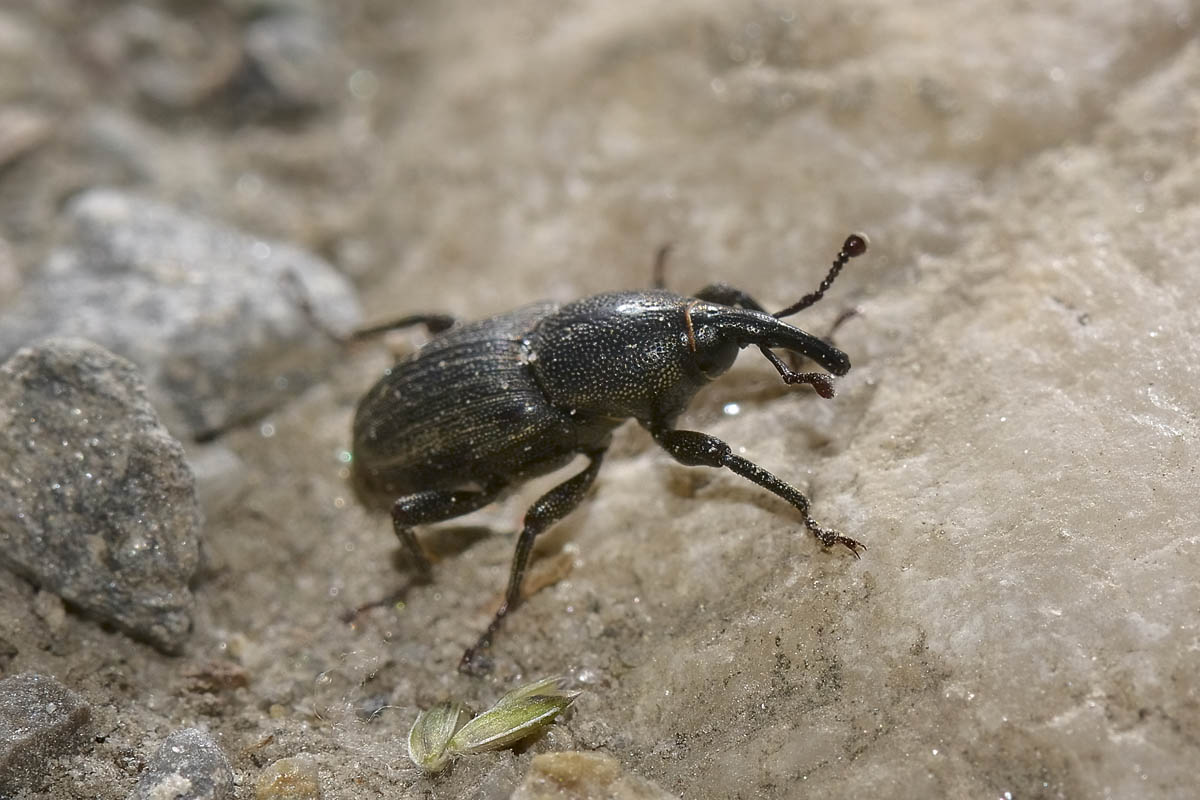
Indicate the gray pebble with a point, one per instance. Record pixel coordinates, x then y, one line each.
223 325
39 719
175 61
96 501
188 766
291 57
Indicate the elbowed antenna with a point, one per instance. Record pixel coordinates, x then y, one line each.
854 246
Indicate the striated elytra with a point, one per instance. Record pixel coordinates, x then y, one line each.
487 405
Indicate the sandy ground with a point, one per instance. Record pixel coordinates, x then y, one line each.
1016 443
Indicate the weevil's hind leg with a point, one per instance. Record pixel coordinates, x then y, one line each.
697 449
549 508
294 286
434 506
434 323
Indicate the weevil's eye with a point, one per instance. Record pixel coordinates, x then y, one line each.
714 353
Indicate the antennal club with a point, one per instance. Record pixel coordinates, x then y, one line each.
854 246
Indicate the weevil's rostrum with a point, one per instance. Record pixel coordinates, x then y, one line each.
485 406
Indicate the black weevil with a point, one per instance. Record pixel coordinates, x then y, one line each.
485 406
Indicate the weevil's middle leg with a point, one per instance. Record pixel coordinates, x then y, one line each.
434 506
697 449
549 508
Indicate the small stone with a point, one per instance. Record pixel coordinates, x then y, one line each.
97 504
21 132
188 766
215 676
580 776
39 720
292 59
294 778
175 61
50 608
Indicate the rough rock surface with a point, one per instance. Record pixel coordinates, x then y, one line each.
97 504
39 720
188 765
1016 444
223 325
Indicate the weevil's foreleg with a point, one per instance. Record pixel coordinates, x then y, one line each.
818 380
434 506
549 508
697 449
434 323
728 295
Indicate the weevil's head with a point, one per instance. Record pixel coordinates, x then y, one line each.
717 332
